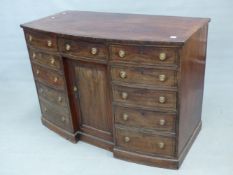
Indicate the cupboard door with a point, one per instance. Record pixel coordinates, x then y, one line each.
94 100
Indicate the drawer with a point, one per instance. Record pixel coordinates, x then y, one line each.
138 141
143 54
49 60
83 49
54 96
41 40
48 77
145 119
144 97
145 76
57 115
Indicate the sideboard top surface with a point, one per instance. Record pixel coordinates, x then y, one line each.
120 27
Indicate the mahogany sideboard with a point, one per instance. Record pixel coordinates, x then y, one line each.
128 83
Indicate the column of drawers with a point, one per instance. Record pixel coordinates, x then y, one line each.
50 81
144 85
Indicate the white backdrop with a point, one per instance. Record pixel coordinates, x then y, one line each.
27 147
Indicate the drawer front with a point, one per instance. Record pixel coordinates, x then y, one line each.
52 95
149 76
134 140
41 40
144 97
57 115
48 77
145 119
49 60
83 49
144 54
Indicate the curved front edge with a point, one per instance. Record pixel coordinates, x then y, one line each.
172 163
72 137
145 159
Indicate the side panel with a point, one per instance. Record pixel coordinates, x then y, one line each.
193 59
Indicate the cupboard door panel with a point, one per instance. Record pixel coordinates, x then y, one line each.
95 107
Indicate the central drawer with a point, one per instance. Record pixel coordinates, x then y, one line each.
83 49
144 97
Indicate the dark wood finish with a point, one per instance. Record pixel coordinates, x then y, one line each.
145 97
148 55
145 119
41 40
192 65
52 95
52 61
83 49
131 84
143 142
92 86
48 77
149 76
120 27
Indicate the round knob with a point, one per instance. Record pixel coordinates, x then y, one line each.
162 99
63 119
124 95
162 77
33 55
75 89
45 109
30 38
52 61
162 122
127 139
125 116
123 74
121 53
162 56
49 42
68 47
55 79
37 72
94 51
161 145
41 90
59 99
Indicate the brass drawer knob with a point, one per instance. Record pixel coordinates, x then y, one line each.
59 99
125 117
124 95
75 88
162 122
63 119
30 38
68 47
33 55
94 51
162 77
55 79
52 61
121 53
37 72
162 99
127 139
162 56
49 43
41 90
123 74
161 145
